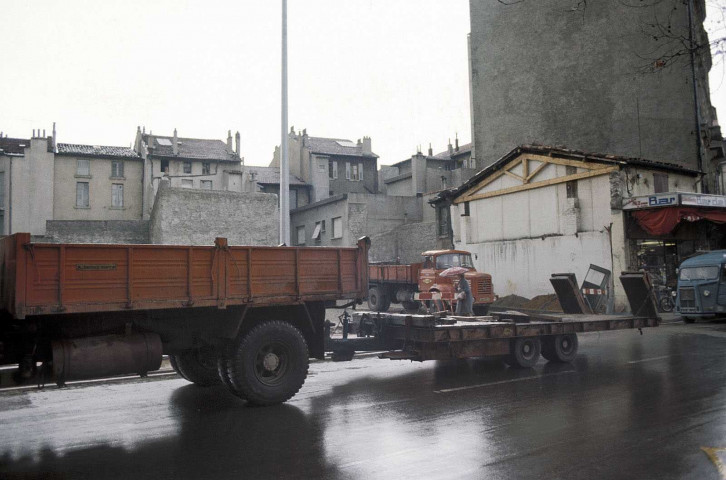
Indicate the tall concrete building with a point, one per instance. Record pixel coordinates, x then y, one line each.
592 76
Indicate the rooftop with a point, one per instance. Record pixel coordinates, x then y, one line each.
271 176
192 148
13 146
96 150
336 146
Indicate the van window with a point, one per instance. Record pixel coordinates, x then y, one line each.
698 273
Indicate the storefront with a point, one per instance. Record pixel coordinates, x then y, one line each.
664 229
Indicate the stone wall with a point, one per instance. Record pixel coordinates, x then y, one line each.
403 244
97 231
195 217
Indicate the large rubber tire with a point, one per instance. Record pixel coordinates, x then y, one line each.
175 366
223 369
377 300
199 366
269 364
689 320
560 348
525 352
666 304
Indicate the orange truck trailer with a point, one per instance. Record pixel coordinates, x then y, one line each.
248 317
413 284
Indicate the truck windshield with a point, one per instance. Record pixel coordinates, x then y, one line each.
698 273
449 260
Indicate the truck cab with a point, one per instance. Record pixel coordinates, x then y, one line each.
436 261
702 286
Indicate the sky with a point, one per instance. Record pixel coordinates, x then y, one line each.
393 70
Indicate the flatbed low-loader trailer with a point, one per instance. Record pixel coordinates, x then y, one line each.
248 317
518 338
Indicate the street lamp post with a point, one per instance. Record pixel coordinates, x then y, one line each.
284 160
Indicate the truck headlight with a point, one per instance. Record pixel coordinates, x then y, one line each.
674 293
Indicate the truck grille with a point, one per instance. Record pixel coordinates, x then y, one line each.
484 287
687 298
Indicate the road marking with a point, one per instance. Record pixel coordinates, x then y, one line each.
651 359
469 387
712 455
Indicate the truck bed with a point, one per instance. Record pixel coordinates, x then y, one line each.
42 279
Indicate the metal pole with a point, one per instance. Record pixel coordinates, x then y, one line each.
284 160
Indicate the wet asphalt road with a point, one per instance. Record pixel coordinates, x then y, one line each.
629 407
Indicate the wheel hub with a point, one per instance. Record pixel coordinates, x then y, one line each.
271 361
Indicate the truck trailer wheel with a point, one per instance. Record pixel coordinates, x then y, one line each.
175 366
560 348
524 352
199 366
269 364
223 369
377 300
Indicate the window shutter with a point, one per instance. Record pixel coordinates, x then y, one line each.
360 171
347 170
335 170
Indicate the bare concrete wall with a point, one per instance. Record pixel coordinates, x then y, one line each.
543 74
403 244
97 231
195 217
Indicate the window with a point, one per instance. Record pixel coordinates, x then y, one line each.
319 229
571 186
698 273
347 170
660 182
206 185
206 169
467 210
360 171
333 169
186 183
337 228
83 167
301 235
165 166
82 194
293 199
117 168
354 173
443 221
449 260
187 167
117 195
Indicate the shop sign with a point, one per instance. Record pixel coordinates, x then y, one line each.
650 201
700 200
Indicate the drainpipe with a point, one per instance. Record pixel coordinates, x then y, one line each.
697 109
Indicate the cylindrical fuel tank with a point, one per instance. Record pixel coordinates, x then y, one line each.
98 357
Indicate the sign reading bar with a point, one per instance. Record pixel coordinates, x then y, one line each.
650 201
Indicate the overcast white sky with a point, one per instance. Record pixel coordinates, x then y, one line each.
395 70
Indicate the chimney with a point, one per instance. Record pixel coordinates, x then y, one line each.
366 145
229 141
55 142
175 144
451 149
237 144
431 151
457 142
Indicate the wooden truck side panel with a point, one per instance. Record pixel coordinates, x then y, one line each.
395 273
39 279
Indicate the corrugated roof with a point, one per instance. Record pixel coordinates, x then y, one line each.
336 146
96 150
271 176
14 146
192 148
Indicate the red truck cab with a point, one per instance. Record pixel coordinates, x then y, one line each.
436 261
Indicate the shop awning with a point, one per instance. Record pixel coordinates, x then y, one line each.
662 221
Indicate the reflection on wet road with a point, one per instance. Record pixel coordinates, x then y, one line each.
630 406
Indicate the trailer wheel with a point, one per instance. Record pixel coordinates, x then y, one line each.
377 300
560 348
223 369
269 364
199 366
525 352
175 366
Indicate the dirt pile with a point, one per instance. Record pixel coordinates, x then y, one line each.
511 301
544 303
